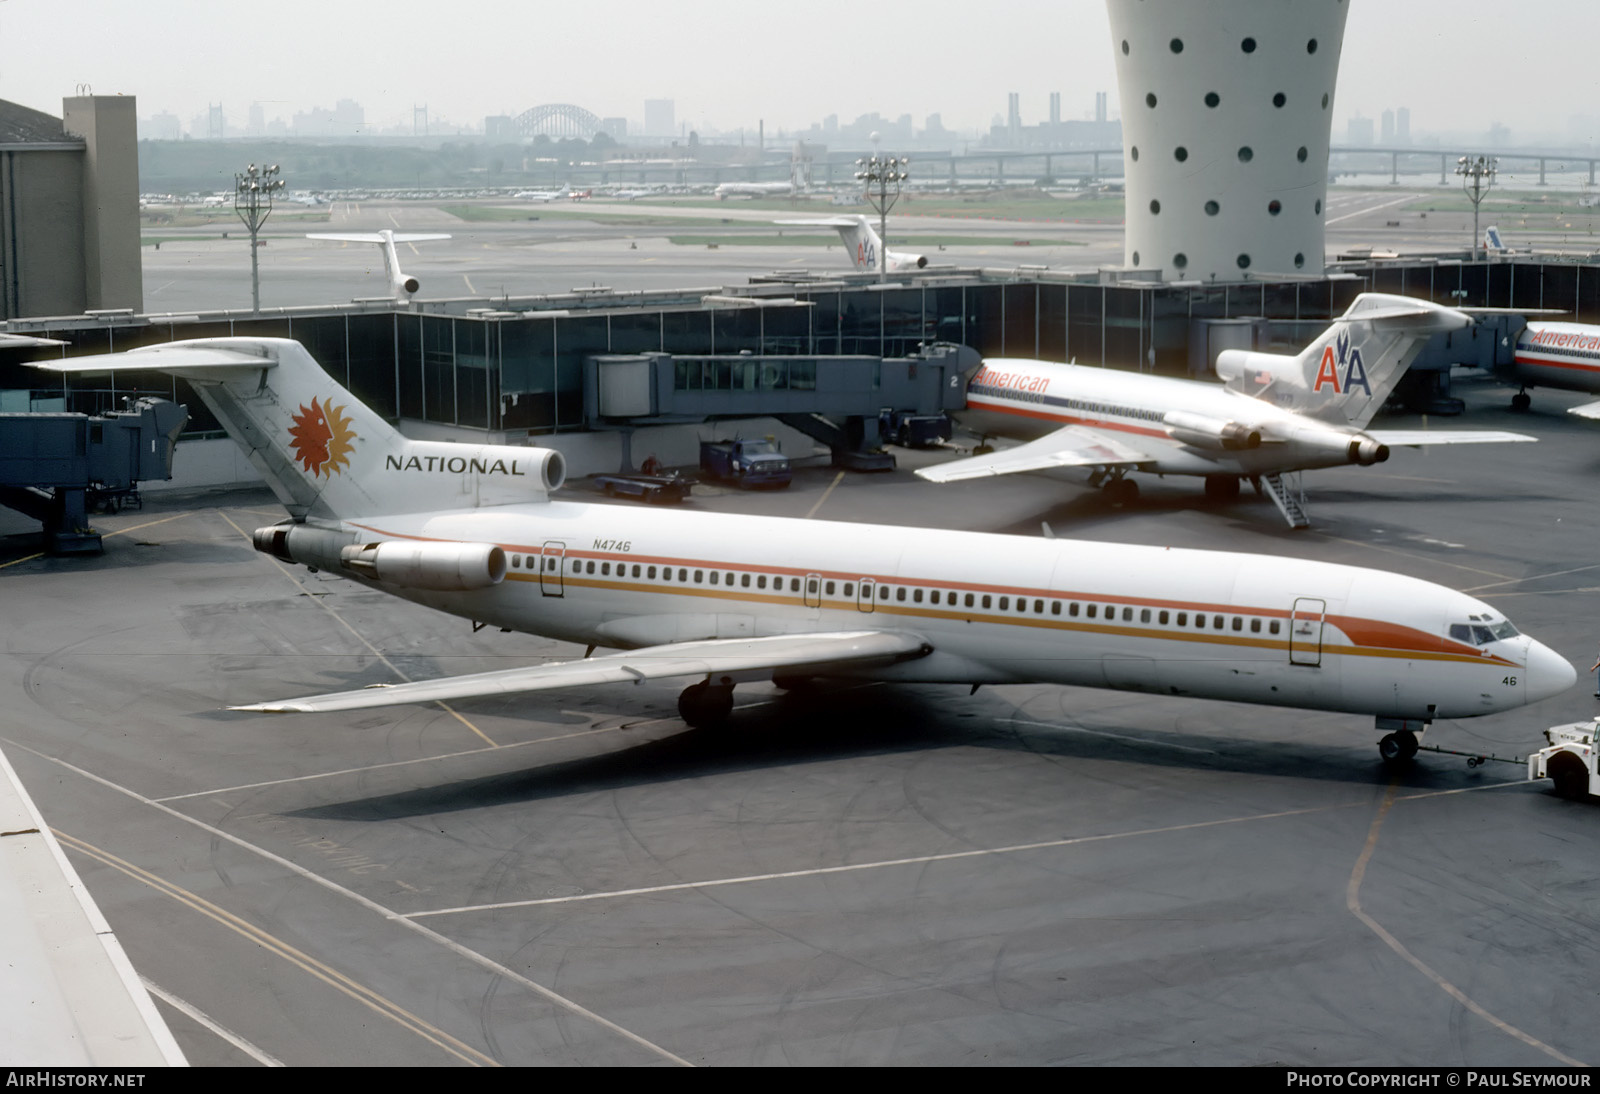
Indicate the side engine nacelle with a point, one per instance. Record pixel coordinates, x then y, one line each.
442 567
1366 451
1206 432
1234 363
899 260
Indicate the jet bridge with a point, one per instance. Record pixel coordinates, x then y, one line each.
57 467
835 399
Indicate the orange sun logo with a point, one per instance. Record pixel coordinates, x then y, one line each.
322 438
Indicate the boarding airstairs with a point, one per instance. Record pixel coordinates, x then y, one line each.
1291 503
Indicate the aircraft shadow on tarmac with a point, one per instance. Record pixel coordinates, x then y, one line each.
829 725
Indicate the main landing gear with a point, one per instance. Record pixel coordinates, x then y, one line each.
1115 486
1222 487
1521 400
706 705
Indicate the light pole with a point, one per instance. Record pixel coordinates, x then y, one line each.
252 200
1477 179
885 171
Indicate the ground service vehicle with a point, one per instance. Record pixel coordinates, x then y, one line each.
746 463
1570 760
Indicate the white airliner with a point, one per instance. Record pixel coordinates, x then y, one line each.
472 530
1276 414
543 196
863 243
402 286
1565 356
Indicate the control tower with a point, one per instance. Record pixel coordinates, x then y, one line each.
1226 113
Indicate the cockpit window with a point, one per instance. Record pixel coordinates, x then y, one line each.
1482 633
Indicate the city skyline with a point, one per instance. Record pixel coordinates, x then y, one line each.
1453 65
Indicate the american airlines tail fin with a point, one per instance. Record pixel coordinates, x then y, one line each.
324 452
1492 241
401 285
1347 373
862 243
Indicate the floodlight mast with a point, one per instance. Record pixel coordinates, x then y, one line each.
884 172
252 200
1477 179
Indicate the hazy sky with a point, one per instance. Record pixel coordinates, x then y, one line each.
1458 64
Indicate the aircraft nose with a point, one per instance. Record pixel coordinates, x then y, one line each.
1547 672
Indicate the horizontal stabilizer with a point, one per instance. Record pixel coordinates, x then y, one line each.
190 362
825 222
1073 446
1420 438
792 652
377 237
11 341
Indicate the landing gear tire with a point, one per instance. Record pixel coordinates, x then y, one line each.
706 705
795 683
1121 491
1521 401
1398 748
1222 487
982 449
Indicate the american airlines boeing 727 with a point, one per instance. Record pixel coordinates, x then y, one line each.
473 530
1277 413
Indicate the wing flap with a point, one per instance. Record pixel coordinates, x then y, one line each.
784 651
1074 446
1419 438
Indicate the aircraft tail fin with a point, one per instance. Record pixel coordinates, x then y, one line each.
1492 240
401 284
856 233
1347 373
324 452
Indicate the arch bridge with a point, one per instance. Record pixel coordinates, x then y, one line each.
556 120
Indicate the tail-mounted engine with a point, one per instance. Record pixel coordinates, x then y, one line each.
440 567
1206 432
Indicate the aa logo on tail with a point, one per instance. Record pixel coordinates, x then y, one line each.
1347 361
321 437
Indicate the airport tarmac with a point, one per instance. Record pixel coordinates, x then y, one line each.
555 250
878 875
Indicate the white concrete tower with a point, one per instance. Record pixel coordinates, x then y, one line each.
1226 110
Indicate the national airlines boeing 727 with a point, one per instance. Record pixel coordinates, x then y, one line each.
473 530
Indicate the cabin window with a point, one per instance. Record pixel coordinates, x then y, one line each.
1055 607
605 569
1092 610
1183 619
744 580
728 579
900 593
650 573
1072 609
683 574
827 587
969 600
1127 615
761 582
1005 603
849 589
1144 615
986 600
933 597
794 584
699 577
666 573
883 592
715 577
1022 603
1272 628
1161 618
1218 622
635 569
1238 624
811 586
1255 626
516 562
1199 620
916 595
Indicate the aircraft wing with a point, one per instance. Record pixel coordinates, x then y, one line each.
1073 446
1587 410
785 651
377 237
1418 438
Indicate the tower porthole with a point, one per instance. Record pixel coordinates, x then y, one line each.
1134 151
1212 208
1324 100
1150 100
1248 45
1243 261
1318 209
1180 260
1155 206
1300 155
1245 154
1212 99
1274 207
1180 153
1124 47
1311 46
1135 258
1279 99
1176 45
1299 260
